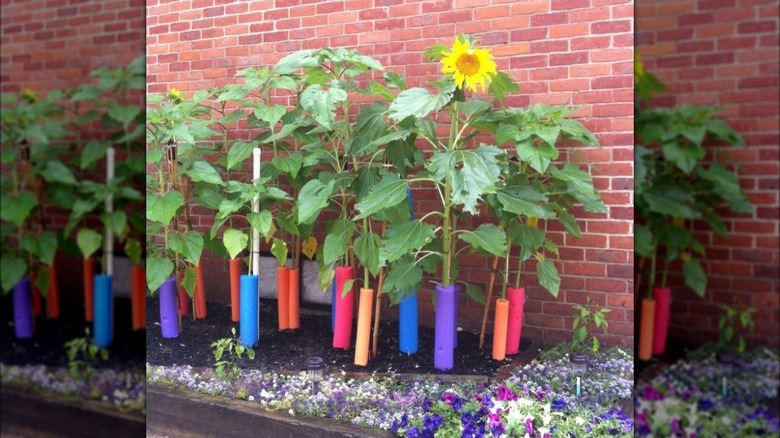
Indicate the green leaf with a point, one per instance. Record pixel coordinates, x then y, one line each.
270 114
643 240
279 250
486 237
346 287
395 80
596 344
312 198
695 278
16 209
579 335
202 171
418 103
189 245
526 201
502 84
233 92
12 270
235 241
684 157
529 239
570 223
477 174
337 241
390 191
403 276
321 103
116 221
295 61
158 269
44 246
548 276
88 241
538 157
262 222
190 280
475 294
671 201
239 152
124 114
366 249
92 152
291 164
162 209
56 171
401 238
548 133
133 250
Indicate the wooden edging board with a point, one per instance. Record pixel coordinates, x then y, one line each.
36 414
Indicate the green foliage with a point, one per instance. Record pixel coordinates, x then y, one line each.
82 354
587 319
676 181
50 160
732 319
226 351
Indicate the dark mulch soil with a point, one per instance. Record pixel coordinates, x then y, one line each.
46 347
287 350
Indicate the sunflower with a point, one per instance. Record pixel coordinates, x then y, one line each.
175 95
639 68
29 95
469 65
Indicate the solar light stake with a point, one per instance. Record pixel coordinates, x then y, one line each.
314 365
579 364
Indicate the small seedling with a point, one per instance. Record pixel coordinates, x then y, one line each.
736 314
226 352
82 354
587 318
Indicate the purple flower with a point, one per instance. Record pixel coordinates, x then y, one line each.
426 405
705 404
559 404
412 432
529 426
649 393
504 393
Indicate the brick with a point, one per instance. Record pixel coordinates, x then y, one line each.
549 19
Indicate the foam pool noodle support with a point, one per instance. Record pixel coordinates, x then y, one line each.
249 323
103 320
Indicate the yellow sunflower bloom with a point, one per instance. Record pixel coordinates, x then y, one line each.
639 68
469 65
29 95
175 95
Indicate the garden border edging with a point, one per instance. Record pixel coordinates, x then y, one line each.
174 412
64 416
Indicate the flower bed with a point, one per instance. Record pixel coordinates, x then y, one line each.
530 401
124 390
687 399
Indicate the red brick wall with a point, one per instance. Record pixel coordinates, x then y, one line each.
48 44
570 52
53 44
725 53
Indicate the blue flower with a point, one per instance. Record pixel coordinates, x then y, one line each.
705 404
432 423
426 406
559 404
412 432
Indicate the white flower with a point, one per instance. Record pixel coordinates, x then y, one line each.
251 398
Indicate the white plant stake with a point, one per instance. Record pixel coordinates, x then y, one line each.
109 248
256 209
